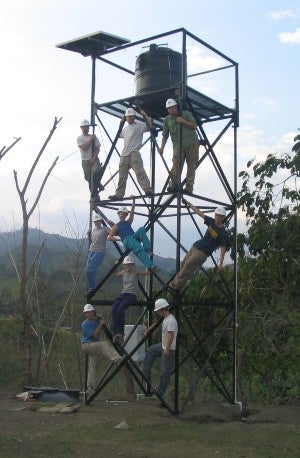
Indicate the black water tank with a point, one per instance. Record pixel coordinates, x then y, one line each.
158 68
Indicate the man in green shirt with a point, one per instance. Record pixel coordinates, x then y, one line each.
182 129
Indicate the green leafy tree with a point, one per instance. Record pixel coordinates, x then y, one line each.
269 276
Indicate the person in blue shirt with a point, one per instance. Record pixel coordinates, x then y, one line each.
214 237
92 346
137 242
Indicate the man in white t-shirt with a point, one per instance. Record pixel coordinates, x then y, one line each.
164 350
131 157
89 147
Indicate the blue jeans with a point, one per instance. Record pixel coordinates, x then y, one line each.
166 366
120 304
94 261
139 244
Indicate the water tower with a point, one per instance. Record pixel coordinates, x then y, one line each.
183 71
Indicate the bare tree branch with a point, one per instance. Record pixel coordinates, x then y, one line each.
24 296
38 251
5 150
42 187
55 124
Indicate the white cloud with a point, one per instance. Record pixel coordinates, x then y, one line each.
290 37
198 60
279 15
264 102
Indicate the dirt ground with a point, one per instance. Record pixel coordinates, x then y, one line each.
147 430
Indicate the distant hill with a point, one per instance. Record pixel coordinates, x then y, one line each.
58 250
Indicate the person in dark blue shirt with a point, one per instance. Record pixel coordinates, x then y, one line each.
214 237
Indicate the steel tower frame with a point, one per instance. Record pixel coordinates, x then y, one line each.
206 348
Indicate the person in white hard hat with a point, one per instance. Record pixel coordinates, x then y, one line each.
131 157
182 129
127 297
214 237
97 249
137 242
164 350
89 147
90 331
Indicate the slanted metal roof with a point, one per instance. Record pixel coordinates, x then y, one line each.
205 108
93 44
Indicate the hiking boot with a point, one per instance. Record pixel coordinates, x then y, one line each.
149 192
173 291
115 197
88 293
119 359
153 269
95 200
165 287
170 189
173 188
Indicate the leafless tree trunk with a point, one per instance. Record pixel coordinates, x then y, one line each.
76 266
24 271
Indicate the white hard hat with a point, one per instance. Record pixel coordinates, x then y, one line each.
85 122
170 103
160 304
123 209
88 308
96 216
130 112
220 211
128 260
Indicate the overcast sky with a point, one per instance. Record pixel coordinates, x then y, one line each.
40 81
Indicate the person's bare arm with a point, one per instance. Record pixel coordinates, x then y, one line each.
120 273
221 260
163 144
170 337
149 330
112 236
148 119
99 328
131 214
85 146
143 273
184 122
195 209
